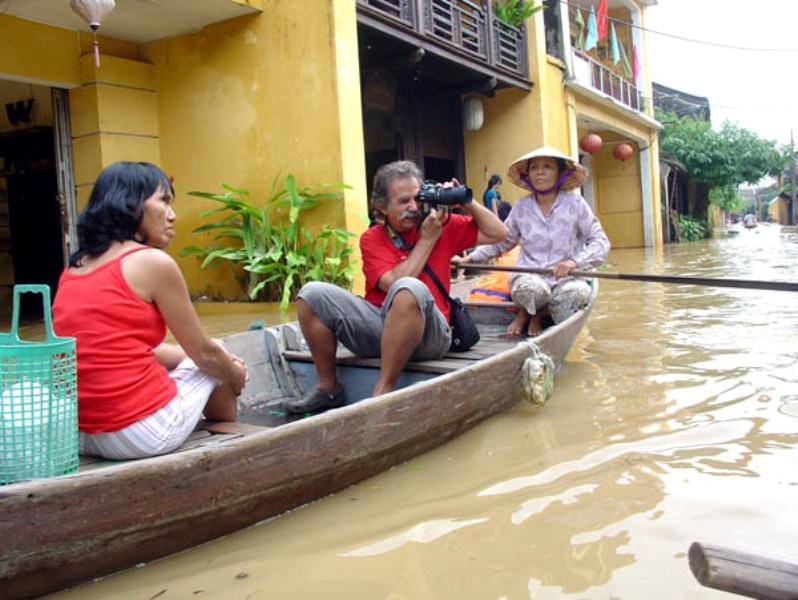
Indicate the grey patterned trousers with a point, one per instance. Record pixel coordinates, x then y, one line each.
563 299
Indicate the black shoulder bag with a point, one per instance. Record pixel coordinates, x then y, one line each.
464 331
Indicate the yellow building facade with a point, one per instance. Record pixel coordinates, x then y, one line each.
578 92
243 91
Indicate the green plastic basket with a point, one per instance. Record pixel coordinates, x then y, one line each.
38 400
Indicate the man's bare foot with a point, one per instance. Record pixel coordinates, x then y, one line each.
518 325
535 327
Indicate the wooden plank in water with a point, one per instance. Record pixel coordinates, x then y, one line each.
742 573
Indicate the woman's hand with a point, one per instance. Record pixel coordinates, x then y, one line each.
459 260
241 372
564 268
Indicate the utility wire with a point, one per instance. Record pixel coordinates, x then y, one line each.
685 39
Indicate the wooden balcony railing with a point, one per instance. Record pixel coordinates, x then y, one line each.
464 27
591 73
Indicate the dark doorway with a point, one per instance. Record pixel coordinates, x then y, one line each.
424 128
32 220
410 110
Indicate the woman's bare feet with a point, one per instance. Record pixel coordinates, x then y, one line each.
535 326
518 325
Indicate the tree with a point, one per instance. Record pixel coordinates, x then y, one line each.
718 161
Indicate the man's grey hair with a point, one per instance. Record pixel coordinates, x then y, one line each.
386 174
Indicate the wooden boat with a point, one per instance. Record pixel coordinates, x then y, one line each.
110 515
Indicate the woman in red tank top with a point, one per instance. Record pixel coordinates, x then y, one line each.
137 395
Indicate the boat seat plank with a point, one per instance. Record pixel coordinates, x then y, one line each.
208 433
489 345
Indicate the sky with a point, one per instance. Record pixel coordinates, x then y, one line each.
750 85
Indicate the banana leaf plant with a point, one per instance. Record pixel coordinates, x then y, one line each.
268 242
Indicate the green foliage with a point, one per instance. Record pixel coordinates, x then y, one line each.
268 243
728 157
515 12
691 229
727 198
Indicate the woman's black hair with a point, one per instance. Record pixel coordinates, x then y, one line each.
494 179
116 206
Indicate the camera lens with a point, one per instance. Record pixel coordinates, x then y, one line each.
440 196
456 195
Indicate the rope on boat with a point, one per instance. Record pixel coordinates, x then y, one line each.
537 375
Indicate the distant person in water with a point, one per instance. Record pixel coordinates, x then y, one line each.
137 395
556 229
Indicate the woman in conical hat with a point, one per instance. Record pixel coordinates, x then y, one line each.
556 229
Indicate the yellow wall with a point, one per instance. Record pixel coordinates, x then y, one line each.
113 117
618 199
238 102
511 128
517 122
247 99
33 52
272 93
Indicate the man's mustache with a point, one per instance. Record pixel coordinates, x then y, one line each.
410 214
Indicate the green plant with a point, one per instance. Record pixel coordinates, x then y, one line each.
691 229
727 198
515 12
277 254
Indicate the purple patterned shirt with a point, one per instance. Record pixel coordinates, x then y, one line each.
570 230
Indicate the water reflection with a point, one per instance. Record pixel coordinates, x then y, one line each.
673 420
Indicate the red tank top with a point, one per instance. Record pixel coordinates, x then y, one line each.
115 331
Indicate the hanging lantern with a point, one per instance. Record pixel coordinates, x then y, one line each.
623 151
591 143
473 114
93 12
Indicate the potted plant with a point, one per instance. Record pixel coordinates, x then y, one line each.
515 12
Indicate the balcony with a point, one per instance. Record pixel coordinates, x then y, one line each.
459 31
592 74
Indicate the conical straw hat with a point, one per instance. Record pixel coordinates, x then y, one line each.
520 167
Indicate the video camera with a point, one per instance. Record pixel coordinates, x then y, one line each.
431 195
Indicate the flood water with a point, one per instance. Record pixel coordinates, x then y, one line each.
674 419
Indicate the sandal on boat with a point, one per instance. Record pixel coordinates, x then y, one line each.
315 400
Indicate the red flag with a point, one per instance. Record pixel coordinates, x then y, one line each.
635 62
602 20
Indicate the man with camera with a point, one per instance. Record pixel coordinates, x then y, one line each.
403 316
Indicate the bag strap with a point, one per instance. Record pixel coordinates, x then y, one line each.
437 281
398 241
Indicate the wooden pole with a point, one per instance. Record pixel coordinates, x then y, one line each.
779 286
792 179
742 573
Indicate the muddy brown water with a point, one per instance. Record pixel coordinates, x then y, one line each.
674 419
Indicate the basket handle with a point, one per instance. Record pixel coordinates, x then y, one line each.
44 290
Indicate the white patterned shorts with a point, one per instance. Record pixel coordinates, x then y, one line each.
162 431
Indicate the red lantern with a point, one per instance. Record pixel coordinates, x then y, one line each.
591 143
623 151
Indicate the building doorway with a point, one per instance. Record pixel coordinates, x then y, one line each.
34 230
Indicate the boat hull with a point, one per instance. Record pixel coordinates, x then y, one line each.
66 530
